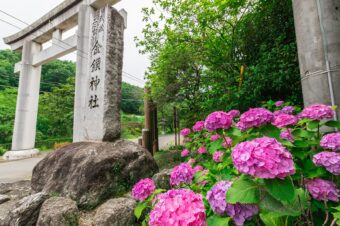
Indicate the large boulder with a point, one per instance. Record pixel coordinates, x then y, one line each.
115 212
58 211
26 211
92 172
162 179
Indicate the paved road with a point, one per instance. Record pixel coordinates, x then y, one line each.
22 169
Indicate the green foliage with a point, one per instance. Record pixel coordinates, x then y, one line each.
198 47
280 189
243 190
215 220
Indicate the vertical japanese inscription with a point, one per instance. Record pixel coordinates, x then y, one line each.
96 54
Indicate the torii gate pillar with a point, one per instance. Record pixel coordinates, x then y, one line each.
99 42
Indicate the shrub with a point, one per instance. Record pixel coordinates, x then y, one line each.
271 169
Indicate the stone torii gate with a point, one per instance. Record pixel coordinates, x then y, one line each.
99 42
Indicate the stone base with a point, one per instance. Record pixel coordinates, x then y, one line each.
15 155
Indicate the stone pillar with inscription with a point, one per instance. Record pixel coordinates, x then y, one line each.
100 117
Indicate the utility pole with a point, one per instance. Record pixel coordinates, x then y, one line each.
317 25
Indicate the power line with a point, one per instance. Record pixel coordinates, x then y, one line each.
14 17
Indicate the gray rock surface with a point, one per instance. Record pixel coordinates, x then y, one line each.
115 212
92 172
58 211
15 191
162 179
4 198
26 211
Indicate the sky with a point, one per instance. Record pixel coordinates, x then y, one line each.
31 10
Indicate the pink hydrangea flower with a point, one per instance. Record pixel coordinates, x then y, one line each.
279 103
239 212
331 141
215 137
202 150
218 120
198 169
317 112
185 132
287 135
234 113
199 126
284 120
191 161
182 173
329 160
143 189
179 207
255 117
287 110
322 190
186 140
228 142
185 153
264 158
217 156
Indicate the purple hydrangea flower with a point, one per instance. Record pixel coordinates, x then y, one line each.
329 160
317 112
202 150
217 156
185 153
182 173
239 212
287 110
178 207
255 117
228 142
322 190
279 103
215 137
199 126
287 135
284 120
331 141
218 120
264 158
234 113
143 189
185 132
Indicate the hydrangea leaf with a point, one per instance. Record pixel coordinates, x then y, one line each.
215 220
282 190
313 125
216 145
271 131
139 209
303 133
334 124
272 219
243 190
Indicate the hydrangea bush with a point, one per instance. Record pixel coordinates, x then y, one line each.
273 165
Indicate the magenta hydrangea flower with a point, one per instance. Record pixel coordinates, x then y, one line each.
287 135
279 103
331 141
185 153
234 113
186 140
322 190
185 132
264 158
191 161
239 212
183 173
215 137
255 117
317 112
218 120
217 156
329 160
287 110
179 207
143 189
198 169
284 120
199 126
228 142
202 150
